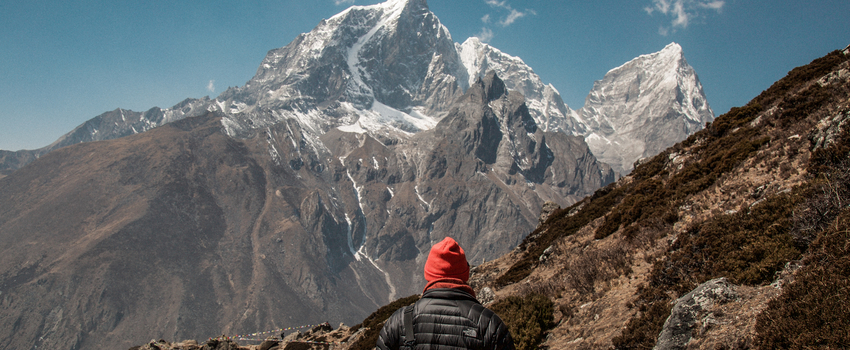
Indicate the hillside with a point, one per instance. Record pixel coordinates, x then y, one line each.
734 238
755 198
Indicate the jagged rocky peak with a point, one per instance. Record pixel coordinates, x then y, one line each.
384 68
487 88
493 86
644 106
480 58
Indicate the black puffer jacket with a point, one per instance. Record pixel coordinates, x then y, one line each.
447 318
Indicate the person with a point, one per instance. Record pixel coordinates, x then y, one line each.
447 316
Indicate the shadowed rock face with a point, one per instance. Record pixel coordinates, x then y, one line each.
151 234
111 243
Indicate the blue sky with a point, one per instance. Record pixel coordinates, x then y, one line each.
64 62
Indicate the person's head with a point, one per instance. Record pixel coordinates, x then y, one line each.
446 260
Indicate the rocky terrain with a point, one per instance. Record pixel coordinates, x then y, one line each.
735 238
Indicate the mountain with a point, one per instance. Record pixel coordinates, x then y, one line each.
107 126
735 238
644 106
544 102
183 220
311 193
107 242
392 70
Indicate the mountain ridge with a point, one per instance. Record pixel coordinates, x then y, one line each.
269 213
727 239
325 79
269 196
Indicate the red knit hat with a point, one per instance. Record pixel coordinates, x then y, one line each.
446 260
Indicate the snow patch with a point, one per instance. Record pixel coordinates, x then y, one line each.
416 189
354 253
357 190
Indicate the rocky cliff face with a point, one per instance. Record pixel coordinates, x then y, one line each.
544 102
124 238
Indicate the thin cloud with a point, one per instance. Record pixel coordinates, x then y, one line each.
496 3
680 17
714 5
682 11
211 86
343 2
512 16
485 35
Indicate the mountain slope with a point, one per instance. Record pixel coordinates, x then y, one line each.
129 233
112 241
710 233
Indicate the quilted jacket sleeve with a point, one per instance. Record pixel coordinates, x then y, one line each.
390 336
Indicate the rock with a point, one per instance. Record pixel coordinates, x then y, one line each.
215 344
678 328
291 337
546 253
828 130
546 211
268 344
486 296
321 329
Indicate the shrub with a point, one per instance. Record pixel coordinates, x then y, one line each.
814 310
594 265
641 332
560 224
830 193
799 76
528 318
735 118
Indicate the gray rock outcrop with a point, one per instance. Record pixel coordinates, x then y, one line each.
693 307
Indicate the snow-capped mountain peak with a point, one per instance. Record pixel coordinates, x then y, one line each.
544 102
643 106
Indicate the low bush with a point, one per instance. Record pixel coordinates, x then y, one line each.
528 318
799 76
594 265
654 306
560 224
813 311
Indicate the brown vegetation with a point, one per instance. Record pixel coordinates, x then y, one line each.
528 318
